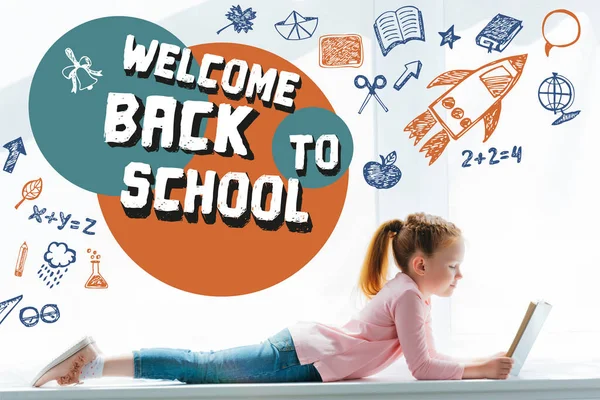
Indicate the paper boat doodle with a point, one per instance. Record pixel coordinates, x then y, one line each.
474 95
297 27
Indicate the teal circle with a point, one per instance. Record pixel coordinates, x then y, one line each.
316 122
69 127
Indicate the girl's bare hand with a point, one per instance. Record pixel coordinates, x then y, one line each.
497 367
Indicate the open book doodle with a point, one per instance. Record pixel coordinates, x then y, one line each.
398 27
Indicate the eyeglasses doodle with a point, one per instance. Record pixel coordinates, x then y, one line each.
30 316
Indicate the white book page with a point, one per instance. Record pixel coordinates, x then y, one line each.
410 24
530 334
389 30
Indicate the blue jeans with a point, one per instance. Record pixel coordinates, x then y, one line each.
274 360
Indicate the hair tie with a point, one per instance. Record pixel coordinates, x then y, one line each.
394 228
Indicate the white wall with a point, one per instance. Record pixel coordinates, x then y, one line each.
137 310
542 211
532 226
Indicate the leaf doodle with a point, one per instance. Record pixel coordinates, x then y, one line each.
390 159
239 19
31 191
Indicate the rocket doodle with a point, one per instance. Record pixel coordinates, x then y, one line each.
474 95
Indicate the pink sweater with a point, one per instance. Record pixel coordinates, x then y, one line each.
396 321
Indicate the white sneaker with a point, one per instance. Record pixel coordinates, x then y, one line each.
66 368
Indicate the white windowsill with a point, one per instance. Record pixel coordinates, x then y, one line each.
538 380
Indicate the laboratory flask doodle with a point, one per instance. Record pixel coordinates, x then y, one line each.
95 281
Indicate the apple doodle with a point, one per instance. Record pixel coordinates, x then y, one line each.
382 175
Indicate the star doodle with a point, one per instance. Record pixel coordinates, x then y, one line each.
448 37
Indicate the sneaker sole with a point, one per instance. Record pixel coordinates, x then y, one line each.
82 344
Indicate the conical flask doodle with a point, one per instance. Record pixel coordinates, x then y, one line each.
95 281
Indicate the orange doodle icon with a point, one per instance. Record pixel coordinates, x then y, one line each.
23 250
95 281
551 45
337 51
31 191
474 95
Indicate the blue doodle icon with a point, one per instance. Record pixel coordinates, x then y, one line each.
361 82
449 37
398 27
58 256
498 33
411 69
557 94
516 153
239 19
30 316
37 213
7 306
383 175
15 149
64 219
297 27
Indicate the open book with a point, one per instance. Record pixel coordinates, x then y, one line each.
532 323
398 27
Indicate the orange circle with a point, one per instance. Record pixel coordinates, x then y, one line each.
458 113
214 259
549 45
465 123
448 102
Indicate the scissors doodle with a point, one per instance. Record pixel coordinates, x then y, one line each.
379 82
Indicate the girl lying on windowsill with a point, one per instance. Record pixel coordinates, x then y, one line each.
396 321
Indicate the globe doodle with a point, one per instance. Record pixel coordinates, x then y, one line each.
556 94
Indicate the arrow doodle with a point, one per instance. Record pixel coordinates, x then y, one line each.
410 69
15 148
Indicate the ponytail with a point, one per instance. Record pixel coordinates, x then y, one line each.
420 231
375 266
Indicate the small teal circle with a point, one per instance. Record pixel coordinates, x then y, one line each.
69 126
312 121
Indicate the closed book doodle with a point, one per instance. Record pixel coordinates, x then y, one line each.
499 32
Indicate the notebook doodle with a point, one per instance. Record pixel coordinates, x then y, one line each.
337 51
398 27
498 33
